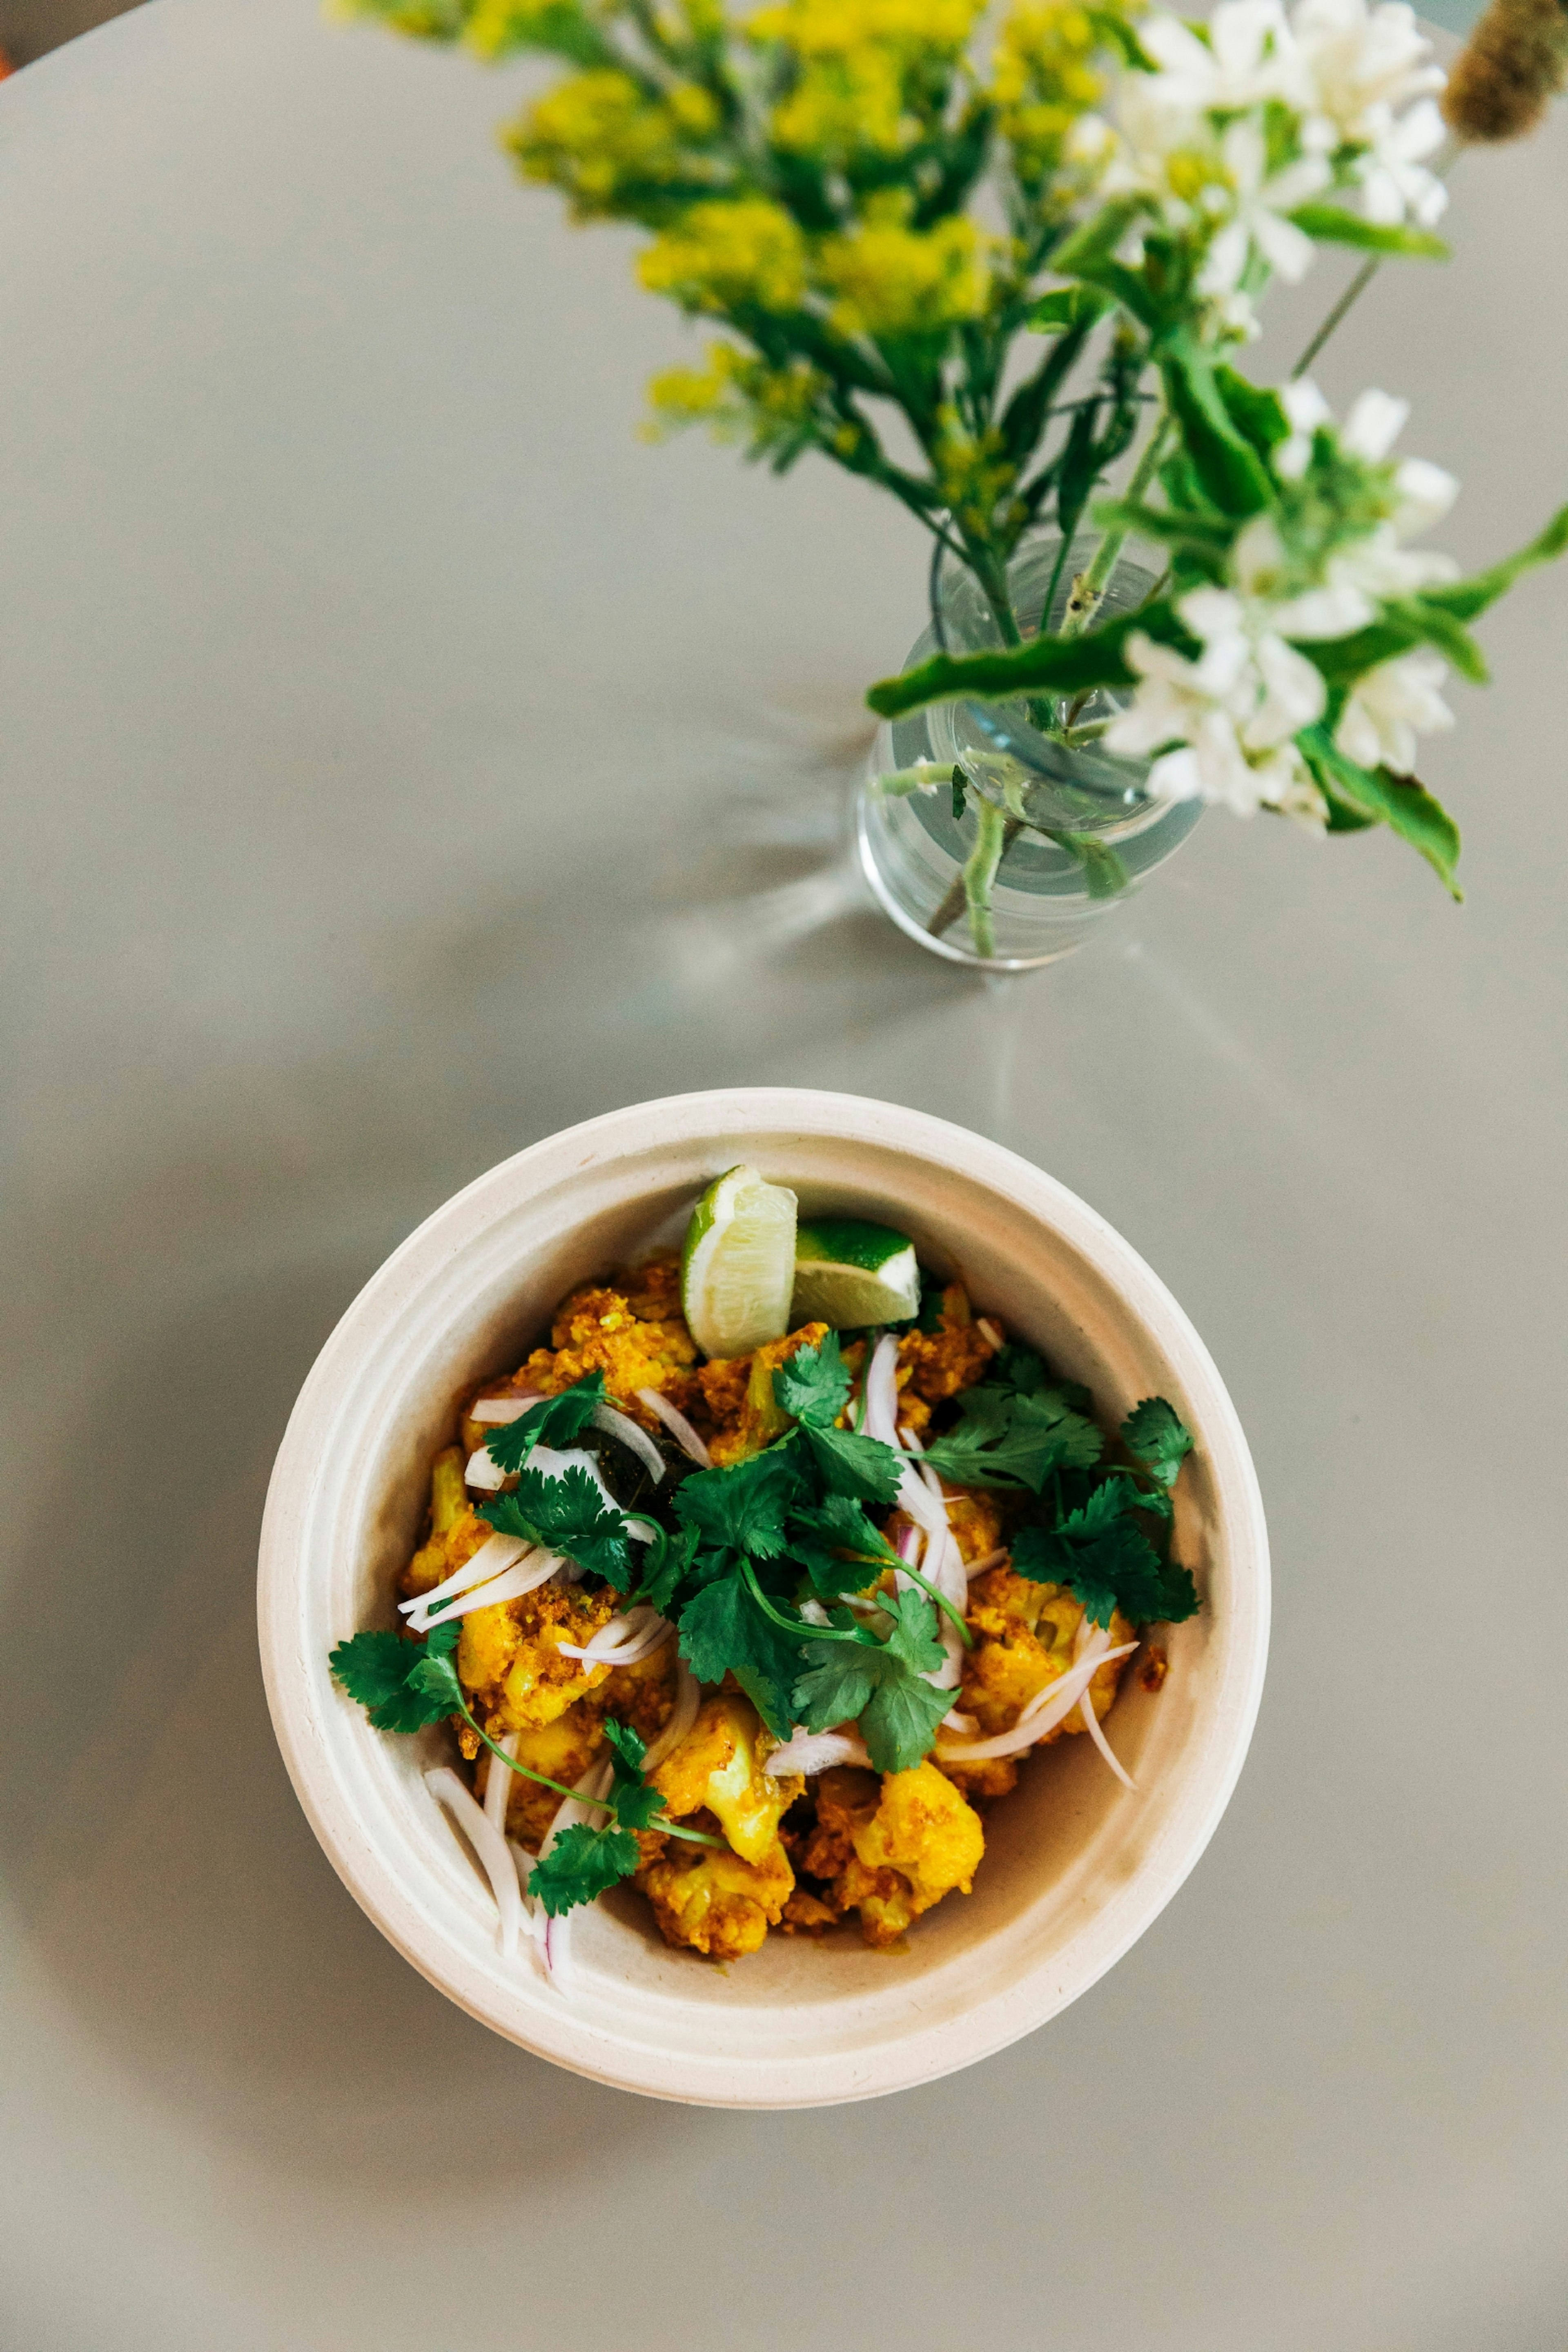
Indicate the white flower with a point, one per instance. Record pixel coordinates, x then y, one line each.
1232 713
1306 409
1363 64
1258 218
1248 59
1389 707
1395 184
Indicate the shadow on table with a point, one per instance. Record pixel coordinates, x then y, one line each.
166 1882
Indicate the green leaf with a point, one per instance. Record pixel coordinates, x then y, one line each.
1226 464
1154 1435
665 1564
741 1508
1107 1559
436 1680
1068 306
1398 802
1064 664
1468 598
1077 474
637 1806
880 1685
556 1421
1331 225
1009 1439
580 1865
838 1547
813 1386
569 1514
1258 413
724 1631
377 1669
850 1464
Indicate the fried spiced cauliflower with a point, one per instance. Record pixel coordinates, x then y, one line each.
891 1849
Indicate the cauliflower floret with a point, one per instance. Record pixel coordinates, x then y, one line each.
744 1414
456 1531
714 1902
936 1364
1026 1636
716 1766
563 1748
510 1659
892 1851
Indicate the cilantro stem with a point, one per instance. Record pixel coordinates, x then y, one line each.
794 1626
948 1607
607 1804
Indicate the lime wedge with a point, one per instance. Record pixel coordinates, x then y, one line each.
738 1264
848 1274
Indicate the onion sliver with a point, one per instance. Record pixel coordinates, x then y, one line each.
482 1472
988 1331
621 1425
499 1552
816 1751
623 1641
688 1699
498 1787
679 1428
489 1845
526 1577
1056 1702
495 1411
974 1568
881 1411
1092 1724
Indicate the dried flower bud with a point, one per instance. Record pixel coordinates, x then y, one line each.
1513 65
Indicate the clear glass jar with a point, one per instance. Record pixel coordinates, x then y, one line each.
1079 827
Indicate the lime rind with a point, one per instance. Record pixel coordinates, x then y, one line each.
737 1264
849 1272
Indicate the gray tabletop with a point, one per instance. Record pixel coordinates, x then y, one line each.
403 762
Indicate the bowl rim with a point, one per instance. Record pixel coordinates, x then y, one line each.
925 2052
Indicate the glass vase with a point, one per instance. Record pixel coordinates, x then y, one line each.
1075 826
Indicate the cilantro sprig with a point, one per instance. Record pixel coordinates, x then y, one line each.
1098 1540
407 1685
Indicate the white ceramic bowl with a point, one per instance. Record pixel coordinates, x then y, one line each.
1075 1868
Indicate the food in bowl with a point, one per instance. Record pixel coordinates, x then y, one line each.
756 1584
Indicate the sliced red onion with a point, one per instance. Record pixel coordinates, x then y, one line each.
631 1434
989 1333
623 1641
494 1411
813 1612
683 1715
679 1428
530 1573
816 1751
978 1567
579 1807
1045 1711
908 1546
1092 1724
498 1786
882 1412
490 1847
497 1553
482 1474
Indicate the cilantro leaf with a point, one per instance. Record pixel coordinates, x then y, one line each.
880 1685
636 1805
848 1464
667 1561
378 1670
435 1679
581 1865
838 1547
571 1516
741 1509
555 1420
1101 1552
813 1386
1010 1437
1154 1436
724 1631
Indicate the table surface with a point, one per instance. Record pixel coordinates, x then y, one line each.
403 761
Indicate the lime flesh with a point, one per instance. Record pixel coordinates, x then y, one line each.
737 1267
849 1272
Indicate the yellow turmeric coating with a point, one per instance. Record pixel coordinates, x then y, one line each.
747 1418
718 1767
712 1902
891 1849
510 1659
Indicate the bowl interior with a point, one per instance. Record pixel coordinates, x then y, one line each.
1074 1866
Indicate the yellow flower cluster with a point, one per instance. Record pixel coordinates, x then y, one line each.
973 473
725 257
890 279
1045 74
908 29
735 396
599 137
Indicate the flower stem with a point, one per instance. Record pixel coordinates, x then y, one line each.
1340 310
990 838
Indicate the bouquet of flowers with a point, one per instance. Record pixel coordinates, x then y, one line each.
979 263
